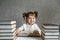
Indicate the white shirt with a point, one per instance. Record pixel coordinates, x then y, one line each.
30 28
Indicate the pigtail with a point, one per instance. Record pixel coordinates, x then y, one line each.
24 15
36 13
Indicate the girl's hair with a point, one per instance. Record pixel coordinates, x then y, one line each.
26 15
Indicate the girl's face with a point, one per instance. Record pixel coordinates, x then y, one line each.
31 20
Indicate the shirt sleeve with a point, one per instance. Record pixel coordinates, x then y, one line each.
38 29
21 28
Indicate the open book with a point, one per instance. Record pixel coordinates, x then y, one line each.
26 34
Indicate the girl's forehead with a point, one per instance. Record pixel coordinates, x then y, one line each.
32 14
31 17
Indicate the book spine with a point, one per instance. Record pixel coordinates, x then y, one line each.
7 26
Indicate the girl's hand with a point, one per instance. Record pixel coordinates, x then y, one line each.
35 33
18 31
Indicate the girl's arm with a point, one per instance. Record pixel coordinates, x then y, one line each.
19 30
37 30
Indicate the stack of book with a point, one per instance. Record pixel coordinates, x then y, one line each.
7 30
50 32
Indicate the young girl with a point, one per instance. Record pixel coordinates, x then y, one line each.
30 26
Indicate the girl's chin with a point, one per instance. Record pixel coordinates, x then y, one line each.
31 23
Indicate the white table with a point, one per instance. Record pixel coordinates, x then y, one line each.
28 38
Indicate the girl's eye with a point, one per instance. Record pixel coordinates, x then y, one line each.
33 18
29 18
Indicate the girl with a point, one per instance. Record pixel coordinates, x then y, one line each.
30 26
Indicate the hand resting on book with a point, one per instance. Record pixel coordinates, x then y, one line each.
35 33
